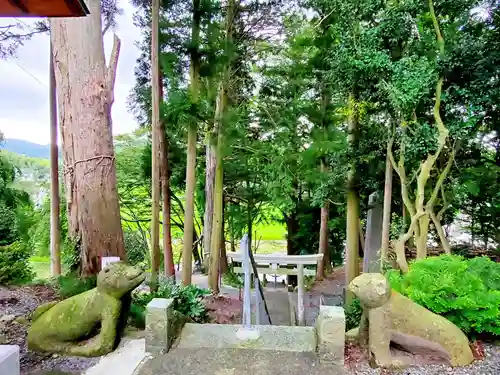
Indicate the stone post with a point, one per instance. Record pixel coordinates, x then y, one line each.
330 327
300 295
247 295
9 360
373 239
161 327
246 332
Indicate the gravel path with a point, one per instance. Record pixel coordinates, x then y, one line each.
15 305
490 365
333 286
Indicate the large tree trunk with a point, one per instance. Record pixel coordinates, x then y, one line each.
323 237
352 253
156 151
209 197
224 265
221 108
55 230
189 213
168 256
85 95
213 275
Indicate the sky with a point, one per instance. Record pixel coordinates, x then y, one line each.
24 84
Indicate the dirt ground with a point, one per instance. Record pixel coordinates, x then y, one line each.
16 304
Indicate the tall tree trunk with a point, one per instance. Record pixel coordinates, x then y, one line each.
224 266
386 218
221 108
323 237
352 253
187 251
55 229
85 96
156 150
213 275
168 256
209 197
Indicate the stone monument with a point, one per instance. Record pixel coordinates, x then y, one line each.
373 239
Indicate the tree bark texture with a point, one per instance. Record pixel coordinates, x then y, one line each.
187 251
55 225
156 151
352 235
165 193
323 236
85 96
209 197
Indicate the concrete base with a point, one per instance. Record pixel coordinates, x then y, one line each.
277 338
331 335
123 361
9 360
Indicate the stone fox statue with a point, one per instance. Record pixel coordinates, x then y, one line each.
85 324
389 314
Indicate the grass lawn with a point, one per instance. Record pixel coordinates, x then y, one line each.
41 267
270 232
270 239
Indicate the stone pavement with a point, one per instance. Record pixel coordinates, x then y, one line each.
235 362
312 302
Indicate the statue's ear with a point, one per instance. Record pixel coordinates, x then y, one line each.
381 287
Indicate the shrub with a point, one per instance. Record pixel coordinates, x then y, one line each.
467 292
137 250
353 314
232 279
71 284
14 264
187 299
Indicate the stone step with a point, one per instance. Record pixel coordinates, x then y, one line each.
216 361
9 360
278 338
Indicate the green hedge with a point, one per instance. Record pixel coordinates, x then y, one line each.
465 291
15 264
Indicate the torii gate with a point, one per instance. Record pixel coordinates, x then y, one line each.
43 8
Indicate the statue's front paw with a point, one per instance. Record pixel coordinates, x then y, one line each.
391 363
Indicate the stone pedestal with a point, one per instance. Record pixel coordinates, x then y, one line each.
9 360
159 320
330 327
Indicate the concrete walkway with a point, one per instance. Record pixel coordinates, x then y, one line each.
206 361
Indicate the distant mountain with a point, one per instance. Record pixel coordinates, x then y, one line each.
27 148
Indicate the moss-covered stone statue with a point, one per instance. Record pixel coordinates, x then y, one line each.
85 324
388 315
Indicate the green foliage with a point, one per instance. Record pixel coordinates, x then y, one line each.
467 292
353 314
187 299
14 264
71 284
8 225
232 279
136 250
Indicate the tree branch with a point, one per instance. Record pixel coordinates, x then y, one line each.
112 66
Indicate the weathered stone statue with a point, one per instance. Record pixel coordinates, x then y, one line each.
85 324
389 315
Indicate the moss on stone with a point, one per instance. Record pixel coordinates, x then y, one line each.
85 324
390 311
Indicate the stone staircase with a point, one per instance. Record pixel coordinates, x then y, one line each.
217 361
224 336
220 349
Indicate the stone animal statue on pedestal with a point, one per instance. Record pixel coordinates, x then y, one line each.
388 315
86 324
